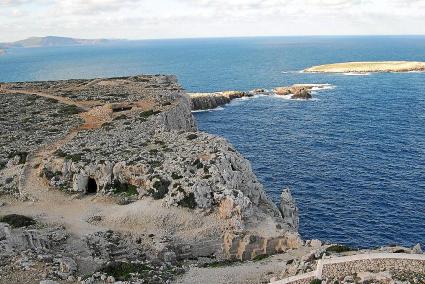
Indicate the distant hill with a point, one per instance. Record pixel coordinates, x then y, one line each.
49 41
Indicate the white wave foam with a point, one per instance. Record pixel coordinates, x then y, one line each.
356 74
413 72
289 72
289 98
208 110
318 87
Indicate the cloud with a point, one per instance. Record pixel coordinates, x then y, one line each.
203 18
93 6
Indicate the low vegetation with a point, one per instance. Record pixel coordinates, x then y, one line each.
160 188
70 110
339 248
146 114
124 189
188 201
17 221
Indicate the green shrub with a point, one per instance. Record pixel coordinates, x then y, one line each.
260 257
70 110
192 136
17 221
51 100
223 263
198 164
122 270
146 114
188 201
22 156
124 188
338 248
60 153
122 116
176 176
160 188
74 157
316 281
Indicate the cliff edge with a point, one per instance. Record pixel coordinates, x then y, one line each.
123 155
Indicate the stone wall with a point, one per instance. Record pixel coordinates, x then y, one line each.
373 265
368 262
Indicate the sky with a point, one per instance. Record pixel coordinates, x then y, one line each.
147 19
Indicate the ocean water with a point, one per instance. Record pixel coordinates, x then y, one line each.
354 156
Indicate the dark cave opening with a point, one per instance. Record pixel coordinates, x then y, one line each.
91 186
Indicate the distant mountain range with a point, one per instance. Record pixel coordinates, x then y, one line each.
50 41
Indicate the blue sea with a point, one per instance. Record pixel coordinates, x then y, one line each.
354 156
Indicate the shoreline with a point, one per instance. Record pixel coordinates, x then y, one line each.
213 100
368 67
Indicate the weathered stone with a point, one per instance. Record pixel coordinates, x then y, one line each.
417 249
289 209
315 243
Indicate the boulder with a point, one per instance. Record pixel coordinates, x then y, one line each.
417 249
303 93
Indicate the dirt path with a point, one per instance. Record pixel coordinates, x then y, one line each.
250 272
52 205
49 96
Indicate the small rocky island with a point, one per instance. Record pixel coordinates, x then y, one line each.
368 67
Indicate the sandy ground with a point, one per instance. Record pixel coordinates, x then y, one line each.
365 67
252 272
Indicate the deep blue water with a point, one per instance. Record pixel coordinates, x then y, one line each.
354 158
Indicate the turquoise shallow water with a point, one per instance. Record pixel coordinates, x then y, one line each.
354 157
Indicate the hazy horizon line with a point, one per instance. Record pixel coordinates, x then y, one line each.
222 37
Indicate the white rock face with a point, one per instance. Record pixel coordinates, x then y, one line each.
289 209
417 249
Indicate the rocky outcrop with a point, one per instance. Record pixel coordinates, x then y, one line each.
34 255
204 101
289 208
295 92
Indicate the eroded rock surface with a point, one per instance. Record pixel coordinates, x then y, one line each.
132 147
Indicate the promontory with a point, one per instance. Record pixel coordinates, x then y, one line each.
366 67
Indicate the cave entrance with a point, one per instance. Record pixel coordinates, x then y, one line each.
91 186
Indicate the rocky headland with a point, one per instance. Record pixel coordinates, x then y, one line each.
368 67
109 180
205 101
113 175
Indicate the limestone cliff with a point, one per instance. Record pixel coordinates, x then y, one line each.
134 140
